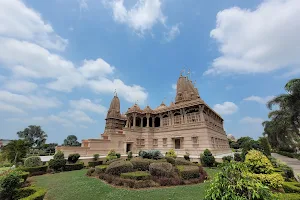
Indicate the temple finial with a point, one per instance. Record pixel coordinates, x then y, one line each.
115 93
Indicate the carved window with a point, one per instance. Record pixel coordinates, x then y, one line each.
165 141
177 119
140 142
165 120
193 117
155 142
195 140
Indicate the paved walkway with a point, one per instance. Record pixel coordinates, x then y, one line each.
292 162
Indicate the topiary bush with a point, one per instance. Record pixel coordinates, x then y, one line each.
171 153
274 180
57 164
137 175
96 157
187 156
95 163
9 183
33 161
100 169
75 166
140 164
107 162
119 167
188 171
258 163
59 155
73 158
129 156
90 171
170 160
163 169
31 193
233 182
291 187
237 157
227 158
151 154
182 161
118 155
207 159
287 172
35 170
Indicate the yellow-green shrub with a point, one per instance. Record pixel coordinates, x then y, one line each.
291 187
258 163
274 180
171 153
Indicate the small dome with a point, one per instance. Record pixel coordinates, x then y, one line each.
147 110
162 106
172 104
134 108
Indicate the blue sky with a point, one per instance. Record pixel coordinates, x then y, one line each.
61 60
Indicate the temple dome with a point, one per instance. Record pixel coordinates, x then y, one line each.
161 106
186 90
134 108
114 108
148 109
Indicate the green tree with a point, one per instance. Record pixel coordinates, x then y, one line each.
15 150
265 145
71 141
34 135
241 141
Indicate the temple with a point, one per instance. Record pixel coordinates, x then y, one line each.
187 125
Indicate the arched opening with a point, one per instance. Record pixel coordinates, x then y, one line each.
138 121
157 122
165 120
130 122
177 118
150 122
144 121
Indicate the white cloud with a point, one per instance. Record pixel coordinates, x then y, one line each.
251 120
258 41
141 17
174 86
262 100
129 93
87 105
95 68
83 6
20 86
19 21
76 115
60 120
226 108
4 107
172 33
30 101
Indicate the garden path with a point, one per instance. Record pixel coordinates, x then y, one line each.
292 162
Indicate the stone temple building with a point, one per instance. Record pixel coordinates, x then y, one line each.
186 125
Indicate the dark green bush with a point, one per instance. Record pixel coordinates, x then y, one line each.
96 157
288 172
33 161
31 193
100 169
291 187
107 162
265 145
118 155
151 154
138 175
129 156
35 170
207 159
57 164
289 196
75 166
95 163
73 158
227 158
187 156
161 169
170 160
188 171
119 167
9 185
182 161
90 171
59 155
140 164
237 157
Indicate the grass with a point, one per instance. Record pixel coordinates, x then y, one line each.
75 185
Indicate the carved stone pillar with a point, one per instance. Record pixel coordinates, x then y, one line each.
181 116
147 119
170 118
153 121
184 116
161 120
201 108
134 119
127 122
142 119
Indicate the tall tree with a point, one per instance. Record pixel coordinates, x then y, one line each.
71 141
34 135
15 150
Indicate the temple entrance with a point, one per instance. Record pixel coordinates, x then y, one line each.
177 143
128 147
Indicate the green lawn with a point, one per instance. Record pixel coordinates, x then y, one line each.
75 185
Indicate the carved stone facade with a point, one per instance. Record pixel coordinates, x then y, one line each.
188 125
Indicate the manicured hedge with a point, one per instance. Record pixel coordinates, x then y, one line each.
119 167
291 187
100 169
76 166
188 172
274 180
32 193
35 170
138 175
182 161
95 163
163 169
107 162
24 175
170 160
289 196
140 164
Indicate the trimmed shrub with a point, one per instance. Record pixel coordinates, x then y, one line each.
95 163
274 180
90 171
187 156
227 158
287 172
73 158
110 158
171 153
107 162
96 157
237 157
129 156
31 193
161 169
57 164
33 171
182 161
291 187
138 175
258 163
119 167
33 161
188 172
59 155
170 160
100 169
76 166
140 164
151 154
289 196
207 159
9 184
168 181
118 155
